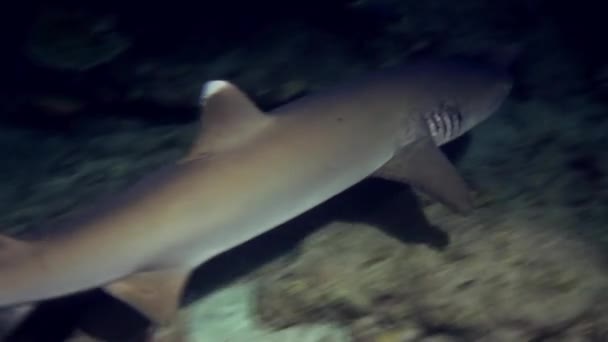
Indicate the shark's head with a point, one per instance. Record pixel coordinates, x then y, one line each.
462 95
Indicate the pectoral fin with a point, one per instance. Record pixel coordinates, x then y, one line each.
156 294
425 167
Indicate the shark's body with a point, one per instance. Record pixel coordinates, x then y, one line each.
249 172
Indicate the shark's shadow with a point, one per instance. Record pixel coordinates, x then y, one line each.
391 206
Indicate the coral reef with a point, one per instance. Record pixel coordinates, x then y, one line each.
501 272
74 40
224 316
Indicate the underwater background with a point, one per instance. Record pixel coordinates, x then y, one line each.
97 94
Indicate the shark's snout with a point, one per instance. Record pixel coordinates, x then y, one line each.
485 96
497 95
468 97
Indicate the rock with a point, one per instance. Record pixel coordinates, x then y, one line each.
226 315
505 334
500 270
592 329
74 40
438 338
368 329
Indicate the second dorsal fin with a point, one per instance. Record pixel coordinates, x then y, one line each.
229 118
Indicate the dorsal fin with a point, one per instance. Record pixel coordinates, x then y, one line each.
229 117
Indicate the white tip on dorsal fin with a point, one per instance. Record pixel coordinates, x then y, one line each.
229 118
213 87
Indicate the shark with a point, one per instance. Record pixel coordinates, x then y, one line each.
249 171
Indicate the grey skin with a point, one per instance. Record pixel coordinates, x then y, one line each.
248 172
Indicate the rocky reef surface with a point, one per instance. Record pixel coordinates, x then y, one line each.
502 277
